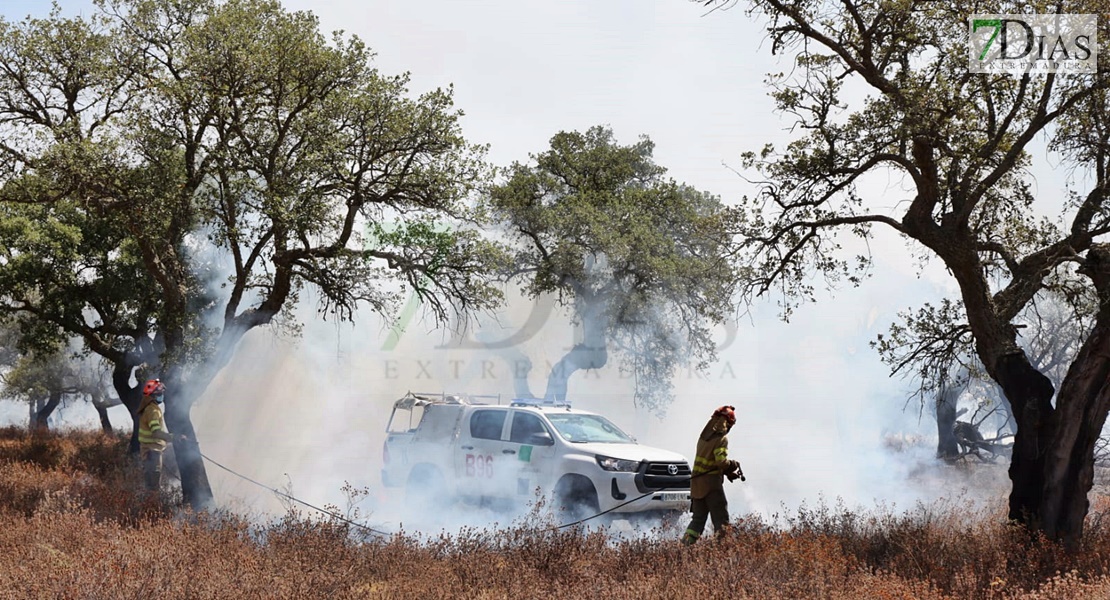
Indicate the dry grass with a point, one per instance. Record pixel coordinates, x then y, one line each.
74 526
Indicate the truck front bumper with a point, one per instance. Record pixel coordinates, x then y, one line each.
626 496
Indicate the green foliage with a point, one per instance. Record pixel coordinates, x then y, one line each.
34 376
955 141
883 90
912 88
175 173
933 345
641 258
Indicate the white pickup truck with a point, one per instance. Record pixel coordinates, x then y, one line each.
443 447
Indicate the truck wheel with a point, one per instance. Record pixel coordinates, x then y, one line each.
425 489
576 497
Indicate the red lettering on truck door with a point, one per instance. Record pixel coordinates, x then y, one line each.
479 466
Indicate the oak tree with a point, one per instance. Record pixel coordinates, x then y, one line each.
640 259
884 88
176 173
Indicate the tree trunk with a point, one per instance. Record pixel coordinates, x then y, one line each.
42 415
1004 402
590 353
195 489
1030 395
101 410
1027 389
947 448
1081 409
1080 414
129 397
105 422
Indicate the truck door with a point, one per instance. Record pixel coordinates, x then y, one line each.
479 462
532 445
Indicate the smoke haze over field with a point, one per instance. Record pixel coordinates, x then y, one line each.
814 402
814 409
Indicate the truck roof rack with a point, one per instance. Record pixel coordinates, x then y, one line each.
413 399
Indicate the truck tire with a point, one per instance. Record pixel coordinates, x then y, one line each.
426 489
576 497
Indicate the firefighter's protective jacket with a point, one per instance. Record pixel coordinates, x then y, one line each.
152 427
711 461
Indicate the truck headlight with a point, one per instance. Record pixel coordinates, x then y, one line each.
617 464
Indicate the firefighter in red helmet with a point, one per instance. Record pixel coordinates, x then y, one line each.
711 466
153 434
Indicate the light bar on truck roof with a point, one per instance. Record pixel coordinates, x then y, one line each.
539 403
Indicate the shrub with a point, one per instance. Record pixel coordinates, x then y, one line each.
76 525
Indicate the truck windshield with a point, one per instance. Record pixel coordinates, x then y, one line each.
587 428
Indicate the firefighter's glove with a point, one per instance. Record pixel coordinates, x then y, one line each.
733 470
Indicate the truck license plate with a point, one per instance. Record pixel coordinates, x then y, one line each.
674 496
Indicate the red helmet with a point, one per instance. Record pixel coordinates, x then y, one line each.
728 412
153 387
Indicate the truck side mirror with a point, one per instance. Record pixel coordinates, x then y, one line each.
541 438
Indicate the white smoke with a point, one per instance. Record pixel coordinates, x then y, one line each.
815 408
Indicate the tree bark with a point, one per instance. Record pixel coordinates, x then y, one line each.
1027 389
947 448
129 396
196 491
590 353
42 415
1030 395
1004 402
105 422
195 488
101 410
1081 409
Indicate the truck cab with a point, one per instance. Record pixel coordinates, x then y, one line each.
442 447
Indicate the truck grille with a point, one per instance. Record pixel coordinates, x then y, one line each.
680 469
669 475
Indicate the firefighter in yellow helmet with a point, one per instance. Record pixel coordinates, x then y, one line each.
153 434
711 466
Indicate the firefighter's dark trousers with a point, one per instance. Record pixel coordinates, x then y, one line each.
714 504
152 468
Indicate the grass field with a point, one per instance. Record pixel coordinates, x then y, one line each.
74 525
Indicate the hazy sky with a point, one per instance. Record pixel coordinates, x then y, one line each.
814 400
